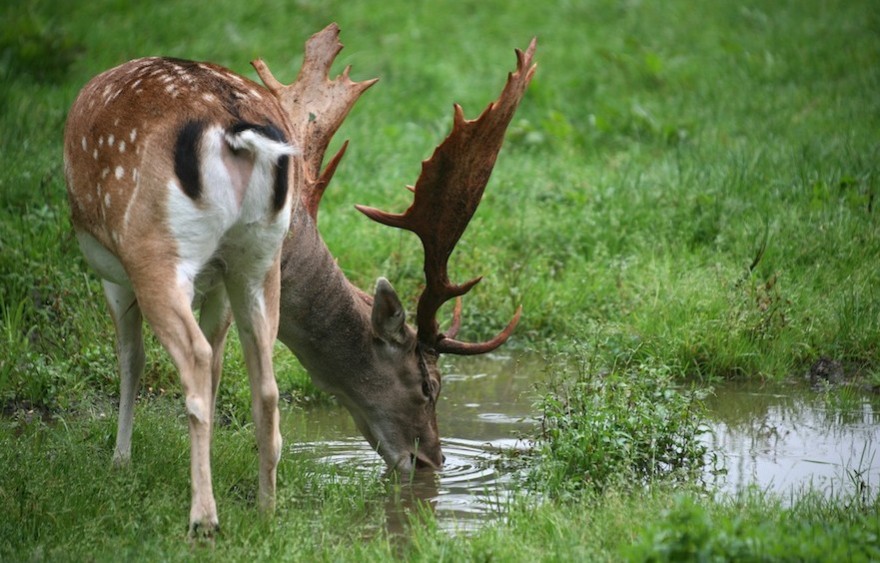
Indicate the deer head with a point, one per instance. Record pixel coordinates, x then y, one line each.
359 346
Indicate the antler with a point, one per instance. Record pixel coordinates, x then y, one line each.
447 194
316 107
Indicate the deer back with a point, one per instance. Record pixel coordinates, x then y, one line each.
157 143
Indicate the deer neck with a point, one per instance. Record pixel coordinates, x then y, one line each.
324 319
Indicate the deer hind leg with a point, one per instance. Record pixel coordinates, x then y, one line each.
255 308
167 308
214 320
130 352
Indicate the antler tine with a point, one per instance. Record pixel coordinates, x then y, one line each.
316 106
455 325
312 197
447 194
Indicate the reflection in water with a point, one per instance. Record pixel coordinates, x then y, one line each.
780 438
787 439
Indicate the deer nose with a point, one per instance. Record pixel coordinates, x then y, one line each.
422 461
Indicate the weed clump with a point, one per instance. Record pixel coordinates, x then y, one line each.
623 427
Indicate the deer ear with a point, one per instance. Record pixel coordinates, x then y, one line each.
388 316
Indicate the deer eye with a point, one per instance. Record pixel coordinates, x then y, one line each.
431 389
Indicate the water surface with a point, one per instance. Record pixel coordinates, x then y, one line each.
788 438
485 408
780 438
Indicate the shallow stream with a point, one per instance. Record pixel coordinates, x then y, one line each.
779 438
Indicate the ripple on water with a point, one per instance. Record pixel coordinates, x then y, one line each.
469 489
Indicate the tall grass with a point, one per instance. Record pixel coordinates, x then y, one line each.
658 150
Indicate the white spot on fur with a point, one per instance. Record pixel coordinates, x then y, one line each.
133 136
110 139
209 97
85 147
120 171
136 82
100 141
112 97
216 73
107 199
131 198
121 146
104 173
95 154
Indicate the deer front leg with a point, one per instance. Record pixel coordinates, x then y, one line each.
167 310
130 352
256 316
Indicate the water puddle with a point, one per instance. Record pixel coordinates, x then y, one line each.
469 490
778 438
485 409
786 439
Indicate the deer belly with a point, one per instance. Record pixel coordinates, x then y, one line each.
101 260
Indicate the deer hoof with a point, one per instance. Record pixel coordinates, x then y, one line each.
203 531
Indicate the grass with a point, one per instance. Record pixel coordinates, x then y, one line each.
691 189
63 501
664 149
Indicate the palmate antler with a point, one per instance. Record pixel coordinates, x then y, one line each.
447 194
316 107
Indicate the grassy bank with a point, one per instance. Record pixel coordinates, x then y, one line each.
687 189
62 501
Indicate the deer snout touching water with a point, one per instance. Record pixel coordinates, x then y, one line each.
191 186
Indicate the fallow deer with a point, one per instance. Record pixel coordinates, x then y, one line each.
183 179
